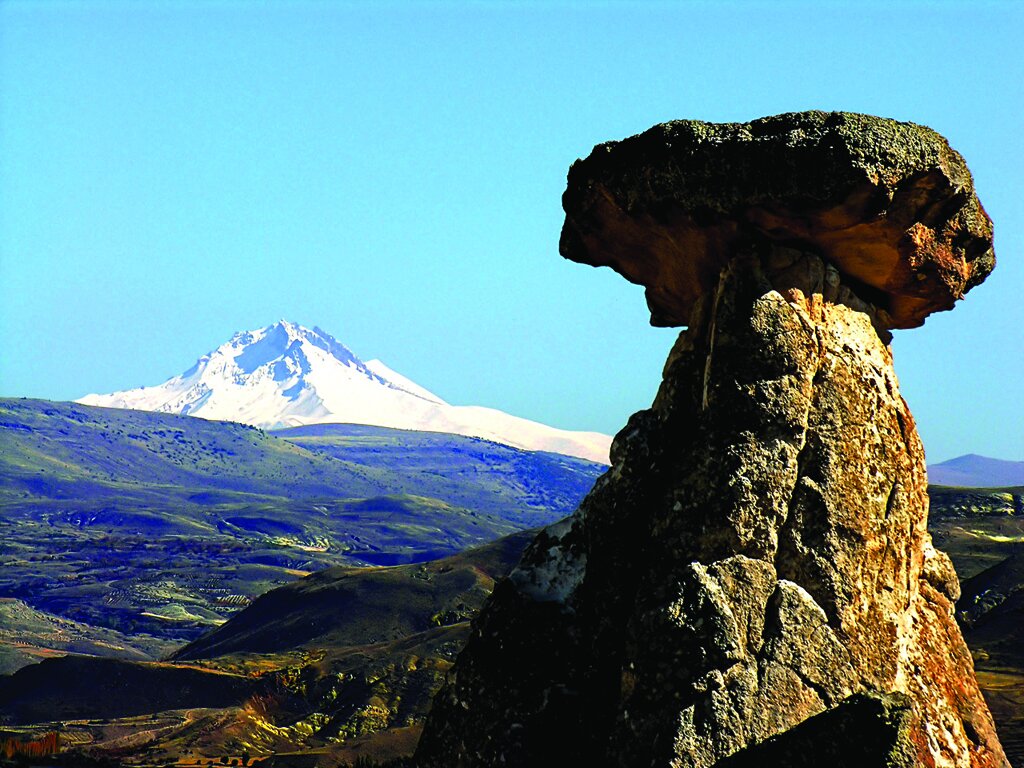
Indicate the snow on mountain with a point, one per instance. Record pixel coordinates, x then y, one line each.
399 380
286 375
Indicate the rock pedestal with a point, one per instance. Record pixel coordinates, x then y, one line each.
757 557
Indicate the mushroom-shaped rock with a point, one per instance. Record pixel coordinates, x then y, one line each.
889 204
754 573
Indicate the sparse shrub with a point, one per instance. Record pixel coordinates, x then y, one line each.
262 705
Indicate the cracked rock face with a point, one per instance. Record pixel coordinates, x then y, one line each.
756 558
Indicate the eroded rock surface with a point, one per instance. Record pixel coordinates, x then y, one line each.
889 203
756 555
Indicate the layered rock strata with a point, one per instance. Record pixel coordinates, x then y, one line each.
757 555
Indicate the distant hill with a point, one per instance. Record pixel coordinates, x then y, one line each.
286 375
991 607
66 451
991 611
467 472
973 471
344 606
348 659
76 687
968 503
349 655
164 524
28 636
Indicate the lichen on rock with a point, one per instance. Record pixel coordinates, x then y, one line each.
890 204
757 554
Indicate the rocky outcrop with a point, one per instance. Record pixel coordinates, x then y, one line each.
835 738
887 203
967 503
757 555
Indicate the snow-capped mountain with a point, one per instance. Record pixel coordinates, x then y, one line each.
286 375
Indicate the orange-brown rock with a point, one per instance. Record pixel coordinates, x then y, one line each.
754 572
889 204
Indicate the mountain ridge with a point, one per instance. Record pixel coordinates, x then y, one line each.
169 523
975 471
285 375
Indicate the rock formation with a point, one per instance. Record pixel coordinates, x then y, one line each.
757 556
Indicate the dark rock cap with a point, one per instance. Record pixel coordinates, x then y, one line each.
890 204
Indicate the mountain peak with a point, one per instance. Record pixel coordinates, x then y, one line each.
286 375
255 348
975 471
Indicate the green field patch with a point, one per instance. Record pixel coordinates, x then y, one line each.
178 613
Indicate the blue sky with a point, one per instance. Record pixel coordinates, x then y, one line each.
171 172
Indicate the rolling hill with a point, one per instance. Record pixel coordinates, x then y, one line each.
162 524
973 471
124 534
347 659
343 606
338 664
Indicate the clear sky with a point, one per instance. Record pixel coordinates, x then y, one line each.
172 172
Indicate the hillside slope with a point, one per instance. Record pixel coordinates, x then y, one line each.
341 663
348 658
974 471
465 472
165 524
343 606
